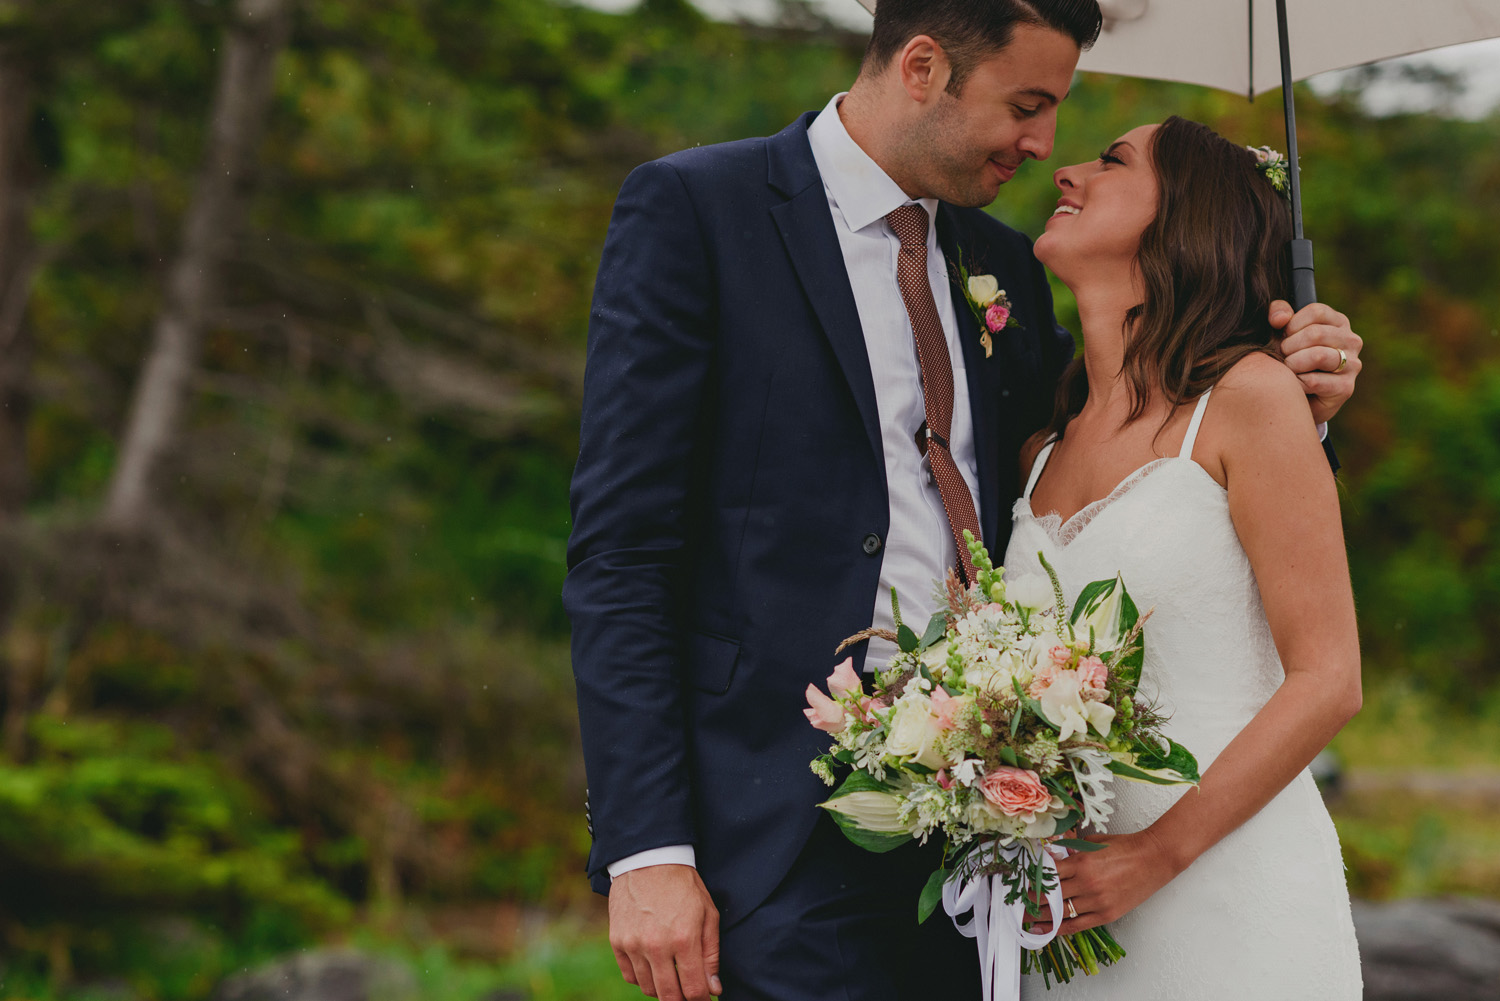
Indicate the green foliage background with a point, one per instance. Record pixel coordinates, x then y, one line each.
337 693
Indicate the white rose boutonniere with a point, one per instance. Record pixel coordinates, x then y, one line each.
984 289
989 305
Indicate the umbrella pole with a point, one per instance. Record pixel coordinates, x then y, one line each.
1304 289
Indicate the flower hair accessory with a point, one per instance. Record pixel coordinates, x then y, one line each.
1273 165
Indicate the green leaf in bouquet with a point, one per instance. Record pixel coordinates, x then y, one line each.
1106 609
861 782
1172 765
937 627
1028 704
874 825
1015 714
1060 791
1069 820
1088 595
870 841
1174 757
932 895
845 755
1160 777
906 639
1008 755
1080 845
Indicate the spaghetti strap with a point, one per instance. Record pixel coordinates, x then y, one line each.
1192 431
1036 467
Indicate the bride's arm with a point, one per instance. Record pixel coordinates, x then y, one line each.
1285 509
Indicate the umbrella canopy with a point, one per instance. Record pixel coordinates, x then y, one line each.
1232 44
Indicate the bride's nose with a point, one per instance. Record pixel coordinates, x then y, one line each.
1065 178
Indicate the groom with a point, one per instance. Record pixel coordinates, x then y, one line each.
788 411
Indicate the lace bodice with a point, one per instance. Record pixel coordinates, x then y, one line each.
1264 913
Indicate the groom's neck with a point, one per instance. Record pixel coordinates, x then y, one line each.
872 119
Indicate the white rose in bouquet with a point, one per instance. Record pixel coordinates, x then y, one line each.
935 658
914 731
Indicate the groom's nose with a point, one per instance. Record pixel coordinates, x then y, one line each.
1037 142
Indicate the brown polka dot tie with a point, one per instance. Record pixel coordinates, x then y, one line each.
909 223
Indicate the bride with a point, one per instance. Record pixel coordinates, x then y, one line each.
1181 455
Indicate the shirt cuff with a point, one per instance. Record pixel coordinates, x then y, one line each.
669 855
1323 431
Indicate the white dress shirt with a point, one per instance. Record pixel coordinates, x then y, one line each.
919 545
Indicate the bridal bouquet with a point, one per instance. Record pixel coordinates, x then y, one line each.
1002 726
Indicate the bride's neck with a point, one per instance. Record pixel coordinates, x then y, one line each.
1102 310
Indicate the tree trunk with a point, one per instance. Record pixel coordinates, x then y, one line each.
241 103
19 261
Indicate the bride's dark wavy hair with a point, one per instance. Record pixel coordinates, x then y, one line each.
1212 262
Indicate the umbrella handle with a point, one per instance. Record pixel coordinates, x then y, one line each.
1304 289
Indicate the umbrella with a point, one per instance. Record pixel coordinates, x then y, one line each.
1242 46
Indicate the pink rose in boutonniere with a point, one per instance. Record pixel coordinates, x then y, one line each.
989 305
996 317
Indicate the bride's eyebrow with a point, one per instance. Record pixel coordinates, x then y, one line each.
1119 144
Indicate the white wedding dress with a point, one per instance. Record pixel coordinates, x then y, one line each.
1264 914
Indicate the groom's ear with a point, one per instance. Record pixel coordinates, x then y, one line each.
923 68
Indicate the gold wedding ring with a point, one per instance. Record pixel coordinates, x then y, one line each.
1343 360
1072 911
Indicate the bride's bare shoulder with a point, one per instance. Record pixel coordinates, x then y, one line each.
1259 386
1261 405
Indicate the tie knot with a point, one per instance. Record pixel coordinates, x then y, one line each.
909 223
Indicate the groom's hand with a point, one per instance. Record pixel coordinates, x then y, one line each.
1312 340
664 929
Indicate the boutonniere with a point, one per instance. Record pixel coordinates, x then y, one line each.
989 305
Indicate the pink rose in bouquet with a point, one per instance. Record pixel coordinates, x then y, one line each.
1093 673
1017 792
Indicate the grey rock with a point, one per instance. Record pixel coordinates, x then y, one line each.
1415 950
323 975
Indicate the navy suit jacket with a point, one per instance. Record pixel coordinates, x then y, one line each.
729 500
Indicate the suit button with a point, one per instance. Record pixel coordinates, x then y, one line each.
871 544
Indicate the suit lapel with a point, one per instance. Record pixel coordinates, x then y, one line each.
980 375
806 227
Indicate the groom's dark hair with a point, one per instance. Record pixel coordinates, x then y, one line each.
971 30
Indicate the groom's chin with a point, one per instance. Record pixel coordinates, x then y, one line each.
975 198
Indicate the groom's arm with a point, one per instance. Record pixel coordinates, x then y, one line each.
650 346
650 349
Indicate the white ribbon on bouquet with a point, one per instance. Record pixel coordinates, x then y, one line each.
997 927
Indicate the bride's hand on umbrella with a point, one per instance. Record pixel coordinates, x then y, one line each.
1319 345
